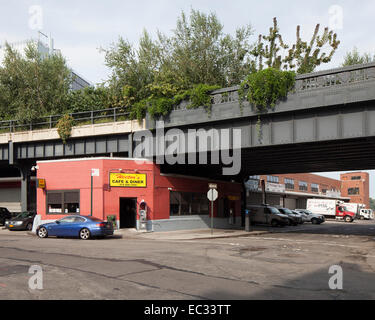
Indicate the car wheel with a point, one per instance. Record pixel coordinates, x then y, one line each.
348 219
42 232
84 234
314 221
362 218
274 223
29 226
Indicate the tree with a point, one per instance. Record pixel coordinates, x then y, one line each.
88 99
302 57
197 52
203 53
195 59
133 69
372 204
33 85
354 57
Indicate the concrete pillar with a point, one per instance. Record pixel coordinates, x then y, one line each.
264 195
130 145
243 204
25 186
25 182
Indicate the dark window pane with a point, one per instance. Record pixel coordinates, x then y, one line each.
71 197
188 203
54 198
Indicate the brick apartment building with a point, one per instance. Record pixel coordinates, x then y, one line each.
293 190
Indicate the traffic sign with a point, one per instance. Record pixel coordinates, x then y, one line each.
212 194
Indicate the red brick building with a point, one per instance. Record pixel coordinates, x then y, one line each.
307 182
293 190
119 188
356 186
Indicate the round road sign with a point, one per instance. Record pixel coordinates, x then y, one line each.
212 194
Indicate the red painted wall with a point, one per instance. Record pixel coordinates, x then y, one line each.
75 174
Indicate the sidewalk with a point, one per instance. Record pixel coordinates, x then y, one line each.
186 234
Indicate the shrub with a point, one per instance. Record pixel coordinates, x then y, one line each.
64 127
264 88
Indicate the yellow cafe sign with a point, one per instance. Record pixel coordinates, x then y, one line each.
41 183
135 180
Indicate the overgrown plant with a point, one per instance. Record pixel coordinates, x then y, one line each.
64 127
264 88
302 56
162 102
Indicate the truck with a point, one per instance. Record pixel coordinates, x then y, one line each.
360 210
366 214
331 209
355 207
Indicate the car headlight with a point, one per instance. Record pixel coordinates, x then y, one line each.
17 223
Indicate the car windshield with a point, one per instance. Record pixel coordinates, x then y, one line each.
23 215
287 211
274 210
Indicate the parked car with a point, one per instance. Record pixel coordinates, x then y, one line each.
295 219
308 216
4 215
83 227
264 214
22 221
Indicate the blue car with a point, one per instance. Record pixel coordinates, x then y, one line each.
83 227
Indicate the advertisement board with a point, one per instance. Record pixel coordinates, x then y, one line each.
128 180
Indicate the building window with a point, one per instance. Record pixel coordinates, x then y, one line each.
289 184
63 202
356 178
353 191
314 187
302 186
272 179
188 203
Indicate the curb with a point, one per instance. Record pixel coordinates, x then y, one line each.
255 233
231 236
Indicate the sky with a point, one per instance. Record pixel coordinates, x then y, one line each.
81 28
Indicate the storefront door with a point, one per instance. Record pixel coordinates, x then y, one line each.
128 212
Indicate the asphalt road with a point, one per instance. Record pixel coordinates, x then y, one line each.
287 264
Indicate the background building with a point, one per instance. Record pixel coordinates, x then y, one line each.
293 190
356 186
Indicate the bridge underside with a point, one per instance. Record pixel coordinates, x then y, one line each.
338 155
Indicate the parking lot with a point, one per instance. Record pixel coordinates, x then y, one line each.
274 263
